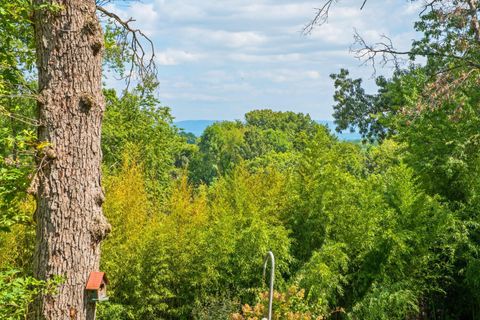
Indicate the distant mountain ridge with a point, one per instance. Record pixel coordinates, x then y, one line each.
198 126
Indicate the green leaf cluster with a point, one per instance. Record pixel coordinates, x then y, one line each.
265 134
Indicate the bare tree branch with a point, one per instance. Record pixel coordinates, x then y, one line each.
141 60
383 52
363 4
429 5
321 16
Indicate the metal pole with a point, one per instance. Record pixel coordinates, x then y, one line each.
272 279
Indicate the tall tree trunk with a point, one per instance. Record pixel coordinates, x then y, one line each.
70 223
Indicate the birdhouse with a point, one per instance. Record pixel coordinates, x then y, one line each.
97 286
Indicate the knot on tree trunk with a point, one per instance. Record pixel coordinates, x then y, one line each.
92 27
100 198
100 228
86 102
50 153
96 47
93 31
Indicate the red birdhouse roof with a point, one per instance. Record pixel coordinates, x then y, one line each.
95 280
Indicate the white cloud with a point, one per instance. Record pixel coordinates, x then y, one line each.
180 10
266 58
413 7
276 11
195 97
282 75
312 74
145 16
221 38
172 57
144 13
228 56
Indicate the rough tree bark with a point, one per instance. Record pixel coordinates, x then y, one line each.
70 223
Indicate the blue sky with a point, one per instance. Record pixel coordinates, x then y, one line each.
218 59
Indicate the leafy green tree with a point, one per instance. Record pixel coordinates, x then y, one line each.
449 45
433 112
294 125
189 137
225 144
370 114
220 149
325 166
363 236
135 120
17 124
18 292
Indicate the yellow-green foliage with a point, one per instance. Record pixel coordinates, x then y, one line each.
246 211
126 206
173 260
16 246
18 288
128 210
205 246
210 243
150 253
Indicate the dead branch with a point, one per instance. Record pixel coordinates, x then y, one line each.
321 16
428 5
383 52
132 40
363 4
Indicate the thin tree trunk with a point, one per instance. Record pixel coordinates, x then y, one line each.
70 223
